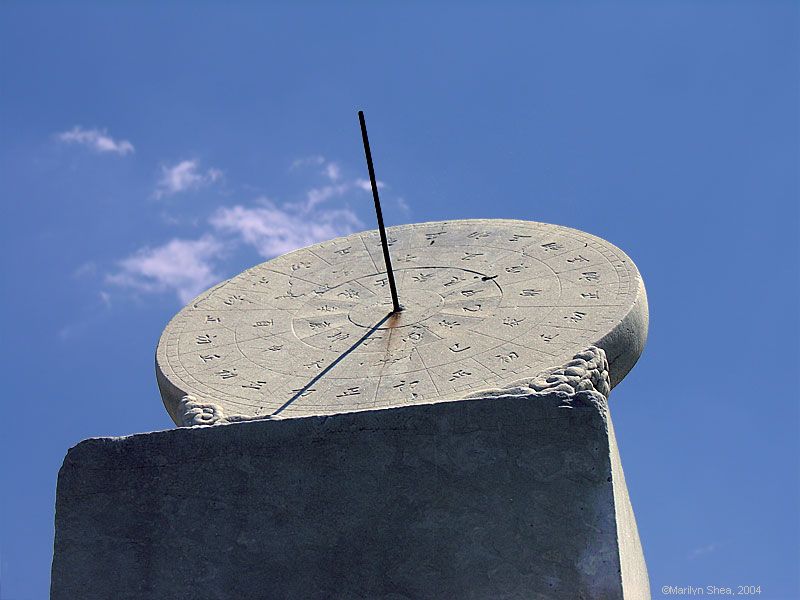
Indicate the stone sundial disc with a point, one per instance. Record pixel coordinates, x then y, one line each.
486 303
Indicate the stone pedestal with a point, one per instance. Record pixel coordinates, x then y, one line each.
514 496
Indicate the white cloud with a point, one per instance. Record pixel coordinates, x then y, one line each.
184 176
181 266
332 171
316 196
274 230
97 140
307 161
365 185
188 266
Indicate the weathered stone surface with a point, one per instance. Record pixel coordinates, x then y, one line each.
511 496
487 302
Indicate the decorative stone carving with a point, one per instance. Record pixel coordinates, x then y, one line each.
194 412
588 370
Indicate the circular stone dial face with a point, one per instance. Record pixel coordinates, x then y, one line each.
486 303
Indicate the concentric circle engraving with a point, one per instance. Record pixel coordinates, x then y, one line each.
419 305
485 303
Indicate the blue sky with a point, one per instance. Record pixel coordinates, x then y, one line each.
147 152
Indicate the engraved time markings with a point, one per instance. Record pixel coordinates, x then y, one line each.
191 343
511 359
298 397
288 356
335 339
262 321
236 297
400 340
456 287
476 234
347 258
436 235
584 258
300 266
455 349
540 294
357 291
233 378
406 388
225 370
398 241
593 289
336 385
475 306
579 318
612 258
537 291
448 281
481 259
518 267
325 305
507 324
320 323
598 268
553 245
460 375
267 279
483 335
246 328
622 268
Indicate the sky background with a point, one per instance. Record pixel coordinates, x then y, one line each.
149 152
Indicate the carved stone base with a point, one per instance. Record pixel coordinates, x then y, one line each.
515 496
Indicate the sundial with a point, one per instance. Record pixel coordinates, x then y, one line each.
484 304
427 410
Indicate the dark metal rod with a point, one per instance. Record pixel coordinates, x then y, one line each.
384 243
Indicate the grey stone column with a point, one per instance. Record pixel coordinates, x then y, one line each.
516 494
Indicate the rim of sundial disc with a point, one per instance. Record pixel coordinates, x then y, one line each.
487 303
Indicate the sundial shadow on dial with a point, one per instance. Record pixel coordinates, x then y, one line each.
339 359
